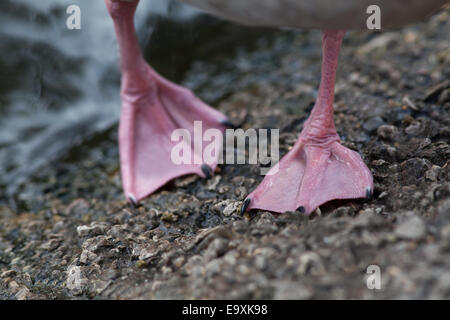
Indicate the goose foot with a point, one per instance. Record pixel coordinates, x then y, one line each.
311 175
153 109
148 120
318 169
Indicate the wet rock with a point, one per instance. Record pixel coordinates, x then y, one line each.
445 235
434 92
178 262
169 217
241 193
146 252
216 248
141 264
372 124
194 265
377 43
412 229
213 182
344 211
87 256
413 129
166 270
444 283
99 286
94 244
386 131
23 294
231 208
414 169
51 244
261 262
8 273
74 282
16 261
310 262
238 181
444 208
13 286
94 229
185 181
445 232
223 189
441 191
78 207
433 173
213 267
5 212
231 257
385 152
262 227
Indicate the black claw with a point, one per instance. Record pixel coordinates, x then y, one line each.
132 200
228 123
301 209
207 171
245 205
369 193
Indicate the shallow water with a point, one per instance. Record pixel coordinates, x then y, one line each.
59 87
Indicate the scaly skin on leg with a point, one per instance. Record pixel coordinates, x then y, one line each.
318 168
152 108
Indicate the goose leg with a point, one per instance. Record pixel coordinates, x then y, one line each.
152 108
318 168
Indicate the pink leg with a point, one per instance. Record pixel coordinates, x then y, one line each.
318 168
152 108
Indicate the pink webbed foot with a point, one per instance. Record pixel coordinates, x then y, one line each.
153 108
318 169
309 176
148 120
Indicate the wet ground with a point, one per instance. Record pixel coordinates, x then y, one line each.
71 234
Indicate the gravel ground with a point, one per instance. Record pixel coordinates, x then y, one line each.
74 236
